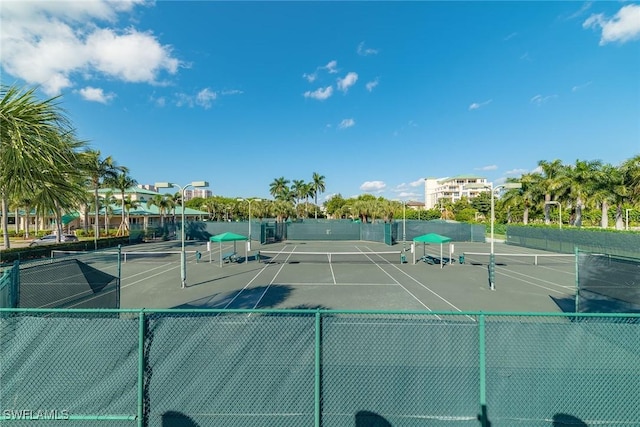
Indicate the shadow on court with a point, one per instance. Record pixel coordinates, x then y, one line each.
565 420
177 419
370 419
258 297
216 279
566 304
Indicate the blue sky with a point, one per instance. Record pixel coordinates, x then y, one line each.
375 96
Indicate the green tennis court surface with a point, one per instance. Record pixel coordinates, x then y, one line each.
302 275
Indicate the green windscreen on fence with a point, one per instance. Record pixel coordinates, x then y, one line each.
607 283
297 368
566 240
9 285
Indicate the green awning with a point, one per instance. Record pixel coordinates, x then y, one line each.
70 217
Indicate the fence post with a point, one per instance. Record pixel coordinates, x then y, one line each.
119 276
317 376
576 251
484 421
141 334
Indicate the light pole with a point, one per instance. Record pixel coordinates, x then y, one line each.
404 225
492 254
555 202
249 202
183 255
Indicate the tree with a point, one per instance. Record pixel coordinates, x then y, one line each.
582 178
552 182
298 190
317 186
129 204
99 169
279 188
163 203
107 201
122 182
38 149
335 204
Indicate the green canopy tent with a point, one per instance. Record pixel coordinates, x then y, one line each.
430 238
228 237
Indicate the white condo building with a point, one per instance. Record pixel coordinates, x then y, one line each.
452 188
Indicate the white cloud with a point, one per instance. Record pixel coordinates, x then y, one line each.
417 183
349 80
366 51
346 123
407 195
373 186
516 172
540 100
160 102
580 87
510 36
320 94
231 92
487 168
331 67
96 95
310 77
586 6
52 44
372 84
623 27
476 105
205 97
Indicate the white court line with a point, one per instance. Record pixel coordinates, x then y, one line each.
253 279
393 278
272 280
530 282
425 287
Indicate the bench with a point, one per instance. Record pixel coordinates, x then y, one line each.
230 257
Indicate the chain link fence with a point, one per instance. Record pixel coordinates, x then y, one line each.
317 368
567 240
74 279
607 283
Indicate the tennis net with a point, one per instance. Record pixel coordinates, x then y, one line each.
132 256
482 258
369 257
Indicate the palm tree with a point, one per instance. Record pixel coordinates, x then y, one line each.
129 204
122 182
175 200
582 176
164 205
530 193
298 191
38 148
282 210
107 201
279 188
99 169
317 186
553 174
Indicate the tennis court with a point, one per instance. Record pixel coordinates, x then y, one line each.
347 276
